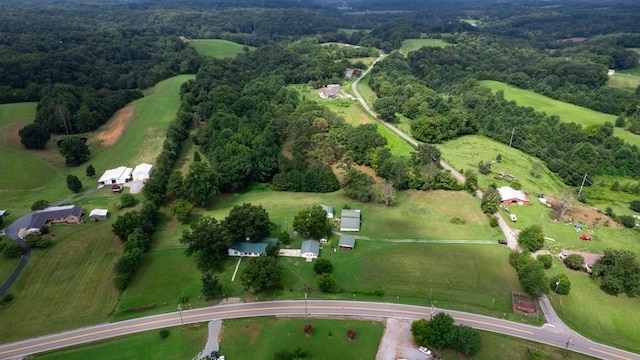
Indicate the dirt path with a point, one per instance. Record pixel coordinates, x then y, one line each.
397 342
112 133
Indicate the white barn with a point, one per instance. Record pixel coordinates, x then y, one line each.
142 171
119 175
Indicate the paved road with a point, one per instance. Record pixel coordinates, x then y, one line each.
314 308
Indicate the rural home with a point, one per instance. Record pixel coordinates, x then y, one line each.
347 242
69 214
329 210
350 220
310 249
249 249
119 175
3 212
142 171
330 92
510 196
98 214
589 258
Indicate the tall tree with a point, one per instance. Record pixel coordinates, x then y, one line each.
211 286
34 136
207 239
73 183
532 279
531 238
90 171
247 222
263 275
358 185
200 184
490 201
312 222
75 151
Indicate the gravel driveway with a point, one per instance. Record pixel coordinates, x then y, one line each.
397 342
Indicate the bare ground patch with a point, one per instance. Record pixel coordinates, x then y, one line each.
115 128
397 342
586 215
339 171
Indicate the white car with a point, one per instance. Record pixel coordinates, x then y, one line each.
424 350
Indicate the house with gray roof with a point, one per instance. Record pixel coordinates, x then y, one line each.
310 249
347 242
329 210
69 214
251 249
350 220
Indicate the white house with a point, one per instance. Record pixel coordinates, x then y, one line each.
309 249
119 175
142 171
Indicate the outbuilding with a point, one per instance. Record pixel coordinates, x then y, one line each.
350 220
310 249
142 171
119 175
509 196
98 214
347 242
329 210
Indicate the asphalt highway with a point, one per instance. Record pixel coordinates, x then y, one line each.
555 336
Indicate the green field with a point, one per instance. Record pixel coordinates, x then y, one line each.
260 338
410 45
465 152
217 48
565 111
70 284
182 343
625 79
613 320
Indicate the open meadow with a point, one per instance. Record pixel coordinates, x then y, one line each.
410 45
565 111
182 343
626 79
218 48
70 284
260 338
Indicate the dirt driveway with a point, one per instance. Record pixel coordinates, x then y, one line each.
397 342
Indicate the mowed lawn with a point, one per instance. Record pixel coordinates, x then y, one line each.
410 45
217 48
626 79
182 343
464 153
613 320
565 111
261 338
415 215
66 286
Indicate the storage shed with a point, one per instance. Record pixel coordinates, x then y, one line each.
142 171
98 214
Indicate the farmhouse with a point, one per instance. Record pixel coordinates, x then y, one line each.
510 196
589 258
70 214
347 242
98 214
119 175
350 220
249 249
310 249
142 171
330 92
329 210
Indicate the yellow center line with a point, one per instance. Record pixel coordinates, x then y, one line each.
175 317
610 354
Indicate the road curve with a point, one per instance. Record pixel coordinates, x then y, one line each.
550 335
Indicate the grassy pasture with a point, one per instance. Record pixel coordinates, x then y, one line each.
410 45
66 286
565 111
260 338
465 152
351 31
625 79
217 48
182 343
609 319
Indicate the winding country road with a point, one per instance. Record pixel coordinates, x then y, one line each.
313 308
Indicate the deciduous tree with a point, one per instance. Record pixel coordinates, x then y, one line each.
34 136
207 239
312 222
200 184
574 261
358 185
560 284
490 201
323 266
90 171
211 286
532 279
182 210
73 183
263 275
531 238
326 283
75 151
247 222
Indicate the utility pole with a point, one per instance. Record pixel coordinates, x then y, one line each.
511 140
180 310
568 342
306 311
582 185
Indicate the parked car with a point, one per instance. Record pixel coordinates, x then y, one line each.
585 238
513 217
424 350
502 242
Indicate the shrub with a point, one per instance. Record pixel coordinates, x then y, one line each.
627 220
351 334
127 200
12 251
322 266
327 283
7 297
635 205
39 205
164 333
560 284
574 261
546 260
308 329
493 222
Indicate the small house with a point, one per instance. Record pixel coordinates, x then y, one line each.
350 220
310 249
250 249
69 214
510 196
119 175
329 210
347 242
142 171
98 214
589 258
